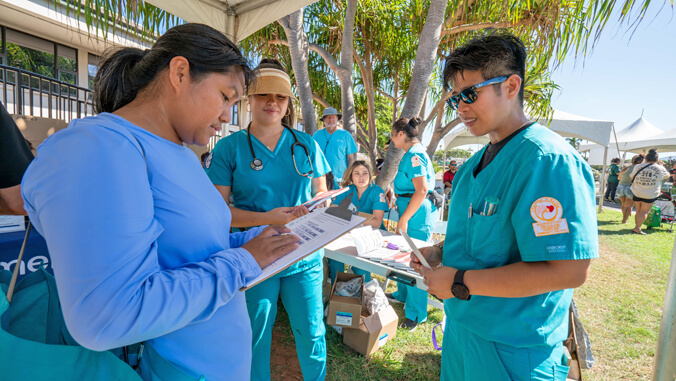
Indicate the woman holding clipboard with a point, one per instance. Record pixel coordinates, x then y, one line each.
268 168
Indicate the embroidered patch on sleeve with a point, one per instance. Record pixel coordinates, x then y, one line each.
415 161
382 197
207 162
547 212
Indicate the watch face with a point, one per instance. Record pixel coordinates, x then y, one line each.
460 291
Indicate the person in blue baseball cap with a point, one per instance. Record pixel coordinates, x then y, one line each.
523 226
337 144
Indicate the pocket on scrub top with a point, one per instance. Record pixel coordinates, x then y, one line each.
486 240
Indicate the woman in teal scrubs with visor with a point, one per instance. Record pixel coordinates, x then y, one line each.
367 197
270 170
417 215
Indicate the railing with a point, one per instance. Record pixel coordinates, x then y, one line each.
31 94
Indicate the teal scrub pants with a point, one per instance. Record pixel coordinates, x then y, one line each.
466 356
419 227
335 267
301 294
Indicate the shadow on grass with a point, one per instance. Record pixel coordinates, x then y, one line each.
343 363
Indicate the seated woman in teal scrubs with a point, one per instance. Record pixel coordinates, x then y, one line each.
417 214
269 168
367 197
138 236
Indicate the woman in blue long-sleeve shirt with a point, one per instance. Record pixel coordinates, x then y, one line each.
139 236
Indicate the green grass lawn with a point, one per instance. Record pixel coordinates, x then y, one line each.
620 306
621 303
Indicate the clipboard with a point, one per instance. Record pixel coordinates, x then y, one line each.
415 250
326 228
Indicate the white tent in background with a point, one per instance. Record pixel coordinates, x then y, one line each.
565 124
639 130
236 18
665 142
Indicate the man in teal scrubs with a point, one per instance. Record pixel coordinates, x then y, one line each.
337 145
523 226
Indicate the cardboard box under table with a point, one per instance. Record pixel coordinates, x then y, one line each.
373 333
345 311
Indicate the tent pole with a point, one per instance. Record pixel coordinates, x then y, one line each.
664 366
602 180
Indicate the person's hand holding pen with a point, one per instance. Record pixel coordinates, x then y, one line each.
271 244
438 279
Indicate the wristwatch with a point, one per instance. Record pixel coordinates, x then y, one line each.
458 288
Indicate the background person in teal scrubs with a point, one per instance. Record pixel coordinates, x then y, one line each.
256 166
367 197
521 229
417 215
337 144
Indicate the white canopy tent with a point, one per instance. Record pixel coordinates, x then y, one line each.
639 130
236 18
565 124
664 142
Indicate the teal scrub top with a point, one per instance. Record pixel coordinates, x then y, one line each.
372 199
415 163
546 212
613 172
336 148
277 184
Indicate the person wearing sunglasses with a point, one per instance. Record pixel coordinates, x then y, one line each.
270 170
521 227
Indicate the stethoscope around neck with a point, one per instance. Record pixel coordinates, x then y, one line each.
257 164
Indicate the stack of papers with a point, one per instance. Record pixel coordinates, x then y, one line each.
370 245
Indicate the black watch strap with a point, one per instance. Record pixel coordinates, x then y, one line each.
459 289
459 277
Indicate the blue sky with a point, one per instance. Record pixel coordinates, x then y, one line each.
624 74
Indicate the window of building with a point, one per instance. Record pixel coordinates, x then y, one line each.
92 68
234 112
39 56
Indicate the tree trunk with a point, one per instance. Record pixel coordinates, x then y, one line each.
346 69
439 134
420 80
299 50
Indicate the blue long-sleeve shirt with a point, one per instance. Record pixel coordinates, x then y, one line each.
140 246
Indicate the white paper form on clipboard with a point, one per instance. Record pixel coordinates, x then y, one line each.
315 231
415 250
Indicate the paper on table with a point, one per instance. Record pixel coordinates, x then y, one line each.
315 230
366 239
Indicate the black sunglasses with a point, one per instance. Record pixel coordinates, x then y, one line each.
469 95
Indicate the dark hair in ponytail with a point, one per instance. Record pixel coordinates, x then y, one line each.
638 159
652 155
127 71
408 126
